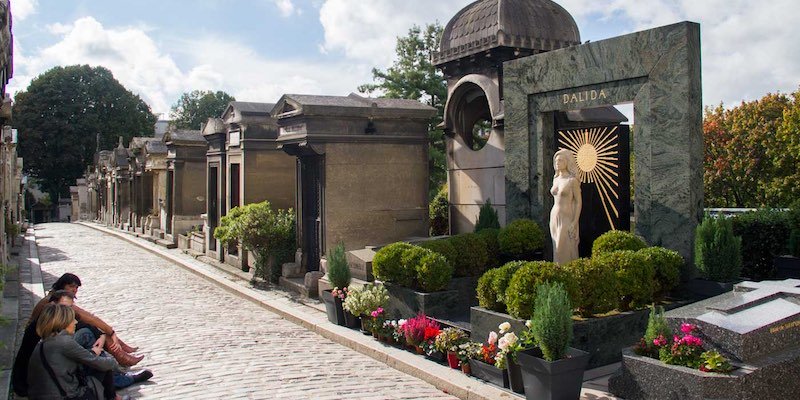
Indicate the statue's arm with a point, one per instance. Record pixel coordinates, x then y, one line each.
578 201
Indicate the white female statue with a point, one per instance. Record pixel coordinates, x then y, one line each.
566 212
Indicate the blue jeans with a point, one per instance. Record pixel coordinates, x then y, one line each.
85 337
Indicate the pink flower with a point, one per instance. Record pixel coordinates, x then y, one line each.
687 328
377 313
660 341
692 341
492 337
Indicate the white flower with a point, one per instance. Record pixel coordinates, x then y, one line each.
401 322
504 327
508 340
529 323
492 337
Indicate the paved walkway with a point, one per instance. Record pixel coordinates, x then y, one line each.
203 342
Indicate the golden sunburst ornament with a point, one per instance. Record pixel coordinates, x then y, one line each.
597 153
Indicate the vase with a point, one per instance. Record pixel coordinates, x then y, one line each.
515 377
330 307
489 373
419 349
466 368
556 380
452 359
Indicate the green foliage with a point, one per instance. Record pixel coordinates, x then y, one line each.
387 265
439 210
752 152
667 265
617 240
552 320
195 108
521 291
443 247
364 300
520 240
764 236
656 325
503 279
713 361
598 286
433 272
268 233
487 217
338 271
487 297
61 114
717 252
449 339
635 276
489 237
412 76
472 256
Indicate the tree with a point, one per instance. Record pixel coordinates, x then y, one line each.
412 76
66 114
194 108
752 153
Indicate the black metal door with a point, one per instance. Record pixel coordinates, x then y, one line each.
311 194
170 199
213 205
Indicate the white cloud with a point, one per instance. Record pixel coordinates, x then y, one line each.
21 9
286 7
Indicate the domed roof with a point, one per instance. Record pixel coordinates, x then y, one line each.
538 25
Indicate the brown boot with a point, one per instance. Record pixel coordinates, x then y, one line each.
124 359
128 349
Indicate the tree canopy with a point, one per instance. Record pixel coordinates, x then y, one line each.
752 153
67 113
195 108
412 76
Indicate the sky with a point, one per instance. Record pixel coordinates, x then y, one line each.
257 50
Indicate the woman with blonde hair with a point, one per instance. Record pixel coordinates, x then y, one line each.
55 368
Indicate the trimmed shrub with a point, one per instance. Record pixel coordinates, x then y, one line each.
387 265
617 240
764 235
667 265
489 237
552 321
471 254
635 276
520 240
487 217
503 278
439 210
521 291
487 297
717 252
443 247
598 286
338 271
433 271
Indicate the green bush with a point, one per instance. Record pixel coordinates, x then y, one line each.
503 278
338 271
487 297
487 217
520 240
552 321
635 276
794 242
489 237
598 286
667 265
443 247
521 291
439 210
617 240
794 223
764 235
472 257
433 271
387 265
656 325
717 252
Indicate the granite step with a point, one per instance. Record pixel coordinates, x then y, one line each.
294 285
166 243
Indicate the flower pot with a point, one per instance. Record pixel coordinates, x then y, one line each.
364 329
436 356
452 359
350 320
419 349
336 314
557 380
466 368
489 373
515 377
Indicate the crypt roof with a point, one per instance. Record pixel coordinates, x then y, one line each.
155 147
538 25
295 104
183 136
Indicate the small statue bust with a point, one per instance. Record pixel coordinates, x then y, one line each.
566 212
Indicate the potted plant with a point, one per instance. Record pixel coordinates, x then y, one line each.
467 351
484 368
510 345
448 342
339 276
553 370
420 332
362 302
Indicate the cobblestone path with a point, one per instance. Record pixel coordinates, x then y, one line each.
202 342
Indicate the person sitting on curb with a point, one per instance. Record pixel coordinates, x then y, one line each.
113 344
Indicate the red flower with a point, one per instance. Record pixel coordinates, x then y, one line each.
431 332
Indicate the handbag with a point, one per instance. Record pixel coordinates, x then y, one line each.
87 394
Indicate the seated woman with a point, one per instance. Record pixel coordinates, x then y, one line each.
54 370
113 344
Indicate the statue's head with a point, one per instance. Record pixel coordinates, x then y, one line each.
564 160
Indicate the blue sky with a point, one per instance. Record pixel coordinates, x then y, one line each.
260 49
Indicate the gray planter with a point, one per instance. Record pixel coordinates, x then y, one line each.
446 304
557 380
336 313
489 373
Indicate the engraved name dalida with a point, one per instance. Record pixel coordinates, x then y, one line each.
584 96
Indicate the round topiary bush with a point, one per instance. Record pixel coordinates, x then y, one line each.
472 256
489 237
667 265
387 265
598 286
635 276
520 240
521 291
411 258
503 278
487 297
433 271
617 240
443 247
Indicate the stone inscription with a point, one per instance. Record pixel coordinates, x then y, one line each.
584 96
789 325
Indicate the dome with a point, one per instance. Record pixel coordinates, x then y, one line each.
536 25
